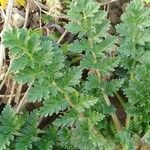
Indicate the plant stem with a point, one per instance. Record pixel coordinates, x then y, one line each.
106 98
132 75
23 99
127 123
12 92
119 98
27 13
18 93
8 96
61 37
113 115
6 75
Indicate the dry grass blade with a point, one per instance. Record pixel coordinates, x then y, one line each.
27 13
6 75
62 36
18 93
13 95
23 99
12 92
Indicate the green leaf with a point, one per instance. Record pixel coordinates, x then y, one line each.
83 137
105 45
38 92
47 141
28 132
67 120
92 82
106 66
88 61
138 93
73 28
70 78
20 63
109 109
145 58
84 102
78 46
54 104
112 86
127 140
8 126
95 117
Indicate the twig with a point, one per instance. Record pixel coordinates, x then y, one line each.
113 115
4 100
40 20
2 13
12 91
62 36
13 95
108 7
127 123
8 14
2 76
106 98
23 99
6 75
27 14
119 98
2 55
40 7
18 93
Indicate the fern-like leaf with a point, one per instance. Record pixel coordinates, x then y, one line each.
8 126
28 133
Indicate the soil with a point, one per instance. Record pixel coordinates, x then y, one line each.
119 109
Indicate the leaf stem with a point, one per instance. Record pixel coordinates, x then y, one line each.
106 98
119 98
113 115
27 13
23 99
127 123
12 92
61 37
